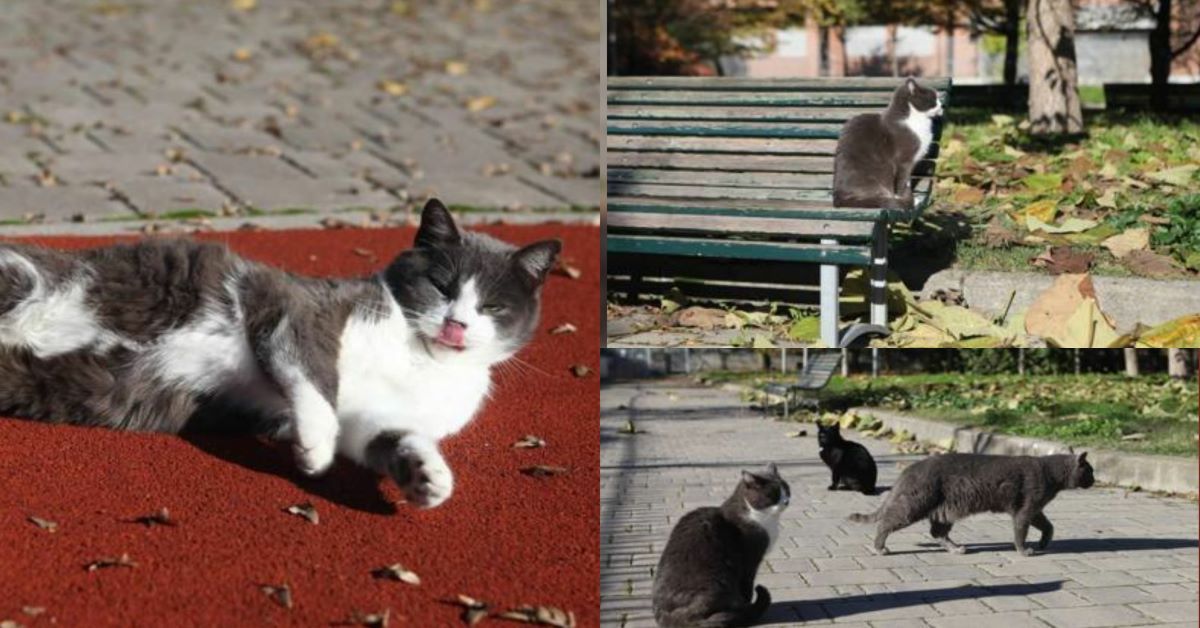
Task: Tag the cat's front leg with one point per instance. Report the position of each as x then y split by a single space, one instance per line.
415 464
1020 531
314 422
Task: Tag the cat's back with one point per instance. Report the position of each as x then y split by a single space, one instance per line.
861 132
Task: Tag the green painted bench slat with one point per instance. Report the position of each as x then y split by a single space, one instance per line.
723 163
883 84
793 115
791 180
733 225
761 99
705 128
756 146
736 249
798 196
744 208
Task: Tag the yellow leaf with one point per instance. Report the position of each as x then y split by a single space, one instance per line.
1070 225
243 5
1043 210
1089 328
456 68
400 7
1108 199
393 88
480 103
1181 332
1067 314
242 54
1127 242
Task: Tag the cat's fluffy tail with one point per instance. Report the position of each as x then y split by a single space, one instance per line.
745 616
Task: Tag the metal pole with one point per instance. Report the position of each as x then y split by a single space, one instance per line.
874 363
829 301
783 361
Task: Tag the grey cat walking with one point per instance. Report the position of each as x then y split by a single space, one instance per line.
705 577
950 487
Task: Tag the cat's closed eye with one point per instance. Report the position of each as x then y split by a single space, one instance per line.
494 308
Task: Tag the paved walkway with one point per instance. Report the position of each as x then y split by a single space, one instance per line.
1119 559
130 108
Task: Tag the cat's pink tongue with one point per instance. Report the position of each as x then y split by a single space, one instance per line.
453 334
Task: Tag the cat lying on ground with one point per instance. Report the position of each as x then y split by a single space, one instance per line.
850 463
950 487
876 152
705 577
146 336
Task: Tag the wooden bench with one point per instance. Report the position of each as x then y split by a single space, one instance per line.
742 169
815 375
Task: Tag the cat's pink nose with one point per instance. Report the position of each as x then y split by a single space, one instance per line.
453 333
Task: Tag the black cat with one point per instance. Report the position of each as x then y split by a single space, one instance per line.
852 466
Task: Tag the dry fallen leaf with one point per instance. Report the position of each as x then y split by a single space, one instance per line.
480 103
474 611
998 236
700 317
243 5
162 518
566 270
334 223
1127 242
375 620
543 470
281 595
580 370
544 615
242 54
565 328
306 510
367 253
33 611
8 623
398 573
456 68
529 441
392 88
1150 264
1062 259
45 524
104 563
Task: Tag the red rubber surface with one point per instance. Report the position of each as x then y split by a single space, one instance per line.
503 537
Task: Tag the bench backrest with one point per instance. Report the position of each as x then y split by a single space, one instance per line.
764 140
820 368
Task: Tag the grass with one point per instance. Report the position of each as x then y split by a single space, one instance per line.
1123 173
1088 410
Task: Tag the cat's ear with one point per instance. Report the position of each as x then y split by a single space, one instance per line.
911 84
749 478
1083 458
537 259
772 470
437 226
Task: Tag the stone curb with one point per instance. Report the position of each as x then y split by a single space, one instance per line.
1154 473
1128 300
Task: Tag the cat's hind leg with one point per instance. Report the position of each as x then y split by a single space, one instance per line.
835 481
415 464
941 531
1043 524
1021 521
314 422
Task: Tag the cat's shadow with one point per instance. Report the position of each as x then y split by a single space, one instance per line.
345 484
1082 546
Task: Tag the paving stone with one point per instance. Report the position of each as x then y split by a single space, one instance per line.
1170 611
994 620
1091 617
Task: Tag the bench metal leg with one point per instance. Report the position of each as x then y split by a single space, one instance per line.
829 301
878 274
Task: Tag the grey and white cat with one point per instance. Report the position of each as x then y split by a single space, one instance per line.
146 336
705 577
950 487
876 152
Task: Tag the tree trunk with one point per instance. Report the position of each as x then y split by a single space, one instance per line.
845 362
823 60
1131 363
1020 361
1076 362
1012 40
1054 106
892 30
1160 55
1177 363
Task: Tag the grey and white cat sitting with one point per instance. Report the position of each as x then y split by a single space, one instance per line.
146 336
705 577
876 152
950 487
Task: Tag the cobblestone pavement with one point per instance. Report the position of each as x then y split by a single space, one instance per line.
117 109
1119 559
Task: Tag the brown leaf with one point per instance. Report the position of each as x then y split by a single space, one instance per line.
376 620
104 563
700 317
45 524
474 611
544 615
543 471
998 236
162 518
8 623
398 573
281 595
1150 264
1060 260
367 253
529 441
565 328
967 195
566 270
33 611
306 510
480 103
335 223
580 370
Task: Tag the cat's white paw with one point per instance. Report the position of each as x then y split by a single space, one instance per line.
316 459
422 473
